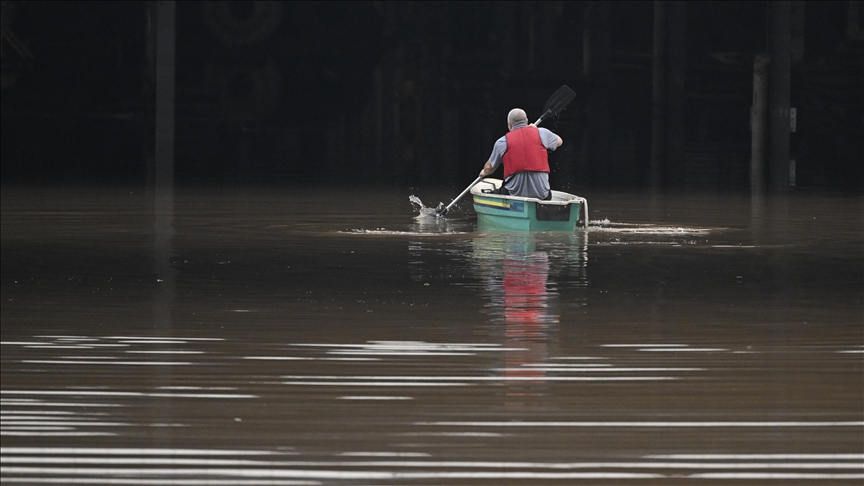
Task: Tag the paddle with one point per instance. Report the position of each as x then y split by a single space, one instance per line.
556 104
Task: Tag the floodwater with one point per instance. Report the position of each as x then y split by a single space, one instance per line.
302 338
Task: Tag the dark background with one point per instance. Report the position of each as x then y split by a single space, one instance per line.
411 93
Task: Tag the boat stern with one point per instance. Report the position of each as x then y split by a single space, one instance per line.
564 212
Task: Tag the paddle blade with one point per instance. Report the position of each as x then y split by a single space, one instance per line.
557 102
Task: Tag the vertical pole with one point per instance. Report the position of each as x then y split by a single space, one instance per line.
587 72
779 44
378 151
596 70
758 124
602 75
163 173
853 21
676 70
165 49
797 30
532 41
658 103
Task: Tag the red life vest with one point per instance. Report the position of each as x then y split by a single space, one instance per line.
525 152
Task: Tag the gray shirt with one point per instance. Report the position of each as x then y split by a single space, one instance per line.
525 184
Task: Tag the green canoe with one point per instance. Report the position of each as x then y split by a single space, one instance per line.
565 212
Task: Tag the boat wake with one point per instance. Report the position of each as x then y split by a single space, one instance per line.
610 233
606 226
386 232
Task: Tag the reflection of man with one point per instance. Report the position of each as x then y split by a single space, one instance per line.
526 162
527 320
525 310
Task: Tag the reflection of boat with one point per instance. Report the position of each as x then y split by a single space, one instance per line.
523 274
519 290
563 213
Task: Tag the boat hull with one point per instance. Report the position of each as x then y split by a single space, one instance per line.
565 212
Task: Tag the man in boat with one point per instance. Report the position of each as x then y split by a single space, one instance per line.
523 150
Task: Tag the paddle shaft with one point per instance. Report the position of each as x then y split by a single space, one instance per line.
462 194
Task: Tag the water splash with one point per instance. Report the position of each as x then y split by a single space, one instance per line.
423 211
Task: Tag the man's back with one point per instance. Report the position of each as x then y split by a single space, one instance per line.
523 151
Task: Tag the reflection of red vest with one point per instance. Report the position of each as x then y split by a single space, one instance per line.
525 152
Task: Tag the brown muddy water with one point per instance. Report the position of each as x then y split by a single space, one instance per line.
305 338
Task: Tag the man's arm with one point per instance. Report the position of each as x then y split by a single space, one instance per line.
495 159
487 170
550 140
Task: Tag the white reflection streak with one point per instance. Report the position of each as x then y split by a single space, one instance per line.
355 397
67 424
55 434
319 345
429 464
409 346
123 394
139 461
121 451
87 357
370 383
432 464
34 403
693 350
753 475
400 353
594 370
379 475
154 341
169 482
644 345
784 457
20 343
279 358
130 363
427 380
178 387
348 359
577 357
44 412
325 474
165 351
424 343
19 419
646 424
52 346
306 358
404 344
454 434
162 338
59 336
569 365
384 454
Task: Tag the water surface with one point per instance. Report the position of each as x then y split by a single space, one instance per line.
307 337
